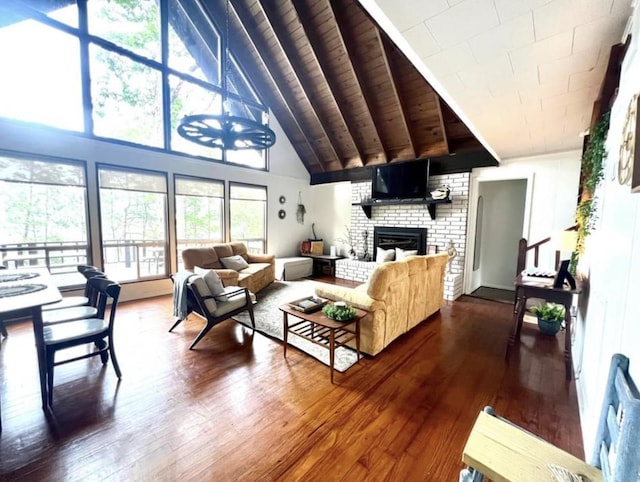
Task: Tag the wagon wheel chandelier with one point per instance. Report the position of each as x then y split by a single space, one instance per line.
226 131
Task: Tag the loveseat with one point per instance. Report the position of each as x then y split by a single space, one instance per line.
260 272
398 296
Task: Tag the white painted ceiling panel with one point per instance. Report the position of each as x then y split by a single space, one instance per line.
523 74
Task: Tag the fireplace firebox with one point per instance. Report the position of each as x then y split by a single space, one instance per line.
389 237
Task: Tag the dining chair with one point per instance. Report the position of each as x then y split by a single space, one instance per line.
98 330
88 272
89 310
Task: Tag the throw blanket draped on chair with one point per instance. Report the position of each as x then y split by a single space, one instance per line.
180 280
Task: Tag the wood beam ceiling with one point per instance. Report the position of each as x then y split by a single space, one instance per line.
343 93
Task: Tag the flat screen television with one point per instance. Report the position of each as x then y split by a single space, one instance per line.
405 180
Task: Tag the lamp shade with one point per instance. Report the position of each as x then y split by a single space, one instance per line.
566 240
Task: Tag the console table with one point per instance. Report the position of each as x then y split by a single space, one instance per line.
322 260
533 287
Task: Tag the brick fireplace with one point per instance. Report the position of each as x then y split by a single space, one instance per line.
450 225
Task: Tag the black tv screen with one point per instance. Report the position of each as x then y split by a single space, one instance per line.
400 181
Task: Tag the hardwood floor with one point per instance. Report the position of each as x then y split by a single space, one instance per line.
235 409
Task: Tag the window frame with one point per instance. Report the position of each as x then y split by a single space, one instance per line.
75 281
266 211
165 246
85 39
224 210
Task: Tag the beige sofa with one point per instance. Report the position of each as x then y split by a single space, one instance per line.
260 273
398 296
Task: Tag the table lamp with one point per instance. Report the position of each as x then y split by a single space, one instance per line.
566 244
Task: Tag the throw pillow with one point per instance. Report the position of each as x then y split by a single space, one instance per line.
403 253
317 247
384 255
237 262
213 282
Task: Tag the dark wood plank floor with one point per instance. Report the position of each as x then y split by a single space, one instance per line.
236 410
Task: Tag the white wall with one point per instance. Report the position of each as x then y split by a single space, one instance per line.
609 318
287 176
552 191
502 222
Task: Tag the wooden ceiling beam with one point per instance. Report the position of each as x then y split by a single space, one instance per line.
346 39
443 126
269 10
406 122
339 103
278 102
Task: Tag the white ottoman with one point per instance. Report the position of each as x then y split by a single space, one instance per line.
289 269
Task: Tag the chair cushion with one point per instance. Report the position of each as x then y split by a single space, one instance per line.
237 300
237 263
213 282
199 284
74 330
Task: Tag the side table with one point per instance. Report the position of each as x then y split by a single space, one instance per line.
323 331
322 260
543 288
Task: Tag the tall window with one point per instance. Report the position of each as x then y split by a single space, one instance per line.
43 220
199 213
105 74
248 215
133 215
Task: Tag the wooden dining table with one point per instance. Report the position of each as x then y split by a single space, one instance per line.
28 290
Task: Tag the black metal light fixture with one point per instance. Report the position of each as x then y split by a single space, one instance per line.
226 131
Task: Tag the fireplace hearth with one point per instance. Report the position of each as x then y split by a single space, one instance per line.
390 237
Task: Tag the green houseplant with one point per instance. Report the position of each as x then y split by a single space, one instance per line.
550 317
339 311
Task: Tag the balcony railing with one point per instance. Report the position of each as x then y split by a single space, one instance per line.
60 258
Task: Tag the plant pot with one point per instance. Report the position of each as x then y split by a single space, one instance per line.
549 327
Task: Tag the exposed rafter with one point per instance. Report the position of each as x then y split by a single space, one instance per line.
281 43
344 95
255 67
315 43
406 122
345 39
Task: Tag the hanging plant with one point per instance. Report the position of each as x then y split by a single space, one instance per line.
591 174
301 211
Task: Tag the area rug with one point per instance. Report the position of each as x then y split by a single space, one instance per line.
269 321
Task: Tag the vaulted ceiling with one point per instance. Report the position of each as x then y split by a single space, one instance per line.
343 93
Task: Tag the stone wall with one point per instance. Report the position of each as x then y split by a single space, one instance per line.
450 225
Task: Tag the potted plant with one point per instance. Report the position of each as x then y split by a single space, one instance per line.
550 317
339 311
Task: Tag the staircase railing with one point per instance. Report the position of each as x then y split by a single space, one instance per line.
524 249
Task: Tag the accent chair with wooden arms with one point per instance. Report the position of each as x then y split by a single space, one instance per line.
214 310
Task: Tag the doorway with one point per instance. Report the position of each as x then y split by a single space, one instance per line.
499 223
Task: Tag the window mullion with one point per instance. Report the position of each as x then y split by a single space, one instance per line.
164 55
87 104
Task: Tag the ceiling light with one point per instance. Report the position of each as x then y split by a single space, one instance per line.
226 131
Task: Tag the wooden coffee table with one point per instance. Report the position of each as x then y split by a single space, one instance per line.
323 331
